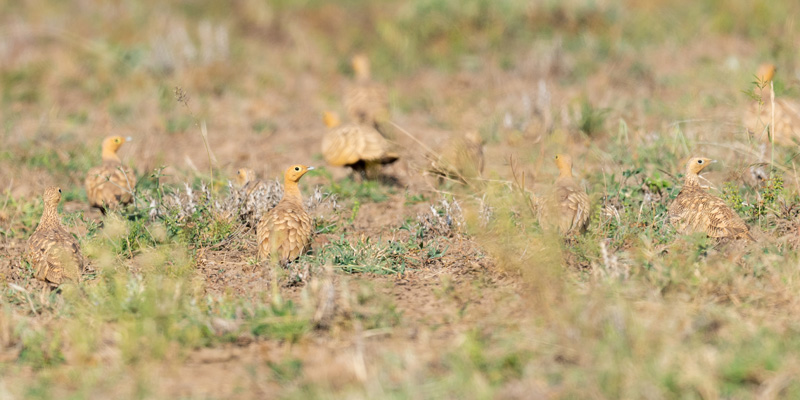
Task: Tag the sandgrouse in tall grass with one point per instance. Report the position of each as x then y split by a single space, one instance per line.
461 158
111 183
359 147
571 200
695 210
284 233
247 181
53 253
366 102
758 117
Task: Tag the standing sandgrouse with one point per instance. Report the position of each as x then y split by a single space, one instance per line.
359 147
285 231
695 210
53 252
460 158
366 102
110 184
571 200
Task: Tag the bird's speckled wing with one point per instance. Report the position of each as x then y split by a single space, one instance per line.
695 210
351 144
284 232
573 205
110 184
55 254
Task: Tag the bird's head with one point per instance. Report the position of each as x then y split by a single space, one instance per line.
696 164
295 172
52 196
113 143
244 175
765 72
564 164
330 119
360 64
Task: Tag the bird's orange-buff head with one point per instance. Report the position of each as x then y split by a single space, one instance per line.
693 167
564 164
696 164
291 177
765 72
360 64
110 146
244 175
295 172
330 119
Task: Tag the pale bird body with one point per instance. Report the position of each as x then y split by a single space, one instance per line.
695 210
570 200
366 102
284 233
460 158
359 147
110 184
54 253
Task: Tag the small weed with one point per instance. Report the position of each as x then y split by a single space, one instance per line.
591 120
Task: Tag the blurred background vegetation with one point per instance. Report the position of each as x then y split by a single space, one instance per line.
504 309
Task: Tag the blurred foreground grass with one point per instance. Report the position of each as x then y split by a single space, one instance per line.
630 310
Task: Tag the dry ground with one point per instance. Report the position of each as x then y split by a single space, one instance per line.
491 307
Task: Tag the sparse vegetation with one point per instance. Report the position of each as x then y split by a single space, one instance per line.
411 290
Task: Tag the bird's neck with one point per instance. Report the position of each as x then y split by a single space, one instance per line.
110 155
565 173
691 179
363 77
291 192
50 215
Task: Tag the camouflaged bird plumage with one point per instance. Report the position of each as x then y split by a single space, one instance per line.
695 210
571 200
460 158
366 102
110 184
284 233
54 253
254 195
359 147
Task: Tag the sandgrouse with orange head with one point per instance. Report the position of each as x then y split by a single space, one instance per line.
111 183
366 102
695 210
570 200
284 233
758 118
53 252
359 147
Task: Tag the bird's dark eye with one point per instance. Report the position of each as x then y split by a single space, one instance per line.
699 161
297 168
59 190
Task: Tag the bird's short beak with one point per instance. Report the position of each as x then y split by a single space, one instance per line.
310 168
128 139
713 161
